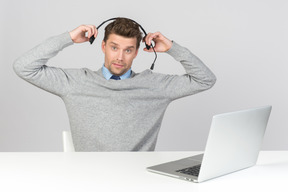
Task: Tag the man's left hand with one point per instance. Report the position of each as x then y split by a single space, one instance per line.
162 44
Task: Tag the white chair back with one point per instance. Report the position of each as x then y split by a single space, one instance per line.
67 142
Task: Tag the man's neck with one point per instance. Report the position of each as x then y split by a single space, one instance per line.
107 74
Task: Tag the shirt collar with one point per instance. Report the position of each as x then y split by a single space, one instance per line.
107 74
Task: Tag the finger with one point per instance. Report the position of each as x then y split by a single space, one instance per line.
153 37
93 30
89 30
96 31
149 38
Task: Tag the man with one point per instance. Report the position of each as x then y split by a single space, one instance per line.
107 114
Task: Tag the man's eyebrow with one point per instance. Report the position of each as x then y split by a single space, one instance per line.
113 43
128 47
131 47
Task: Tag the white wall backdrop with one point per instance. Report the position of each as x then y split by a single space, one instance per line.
244 42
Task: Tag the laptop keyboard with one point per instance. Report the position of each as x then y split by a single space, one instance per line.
194 171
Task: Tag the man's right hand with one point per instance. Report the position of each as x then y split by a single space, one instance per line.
78 35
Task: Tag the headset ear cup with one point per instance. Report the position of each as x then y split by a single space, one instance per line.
147 46
91 39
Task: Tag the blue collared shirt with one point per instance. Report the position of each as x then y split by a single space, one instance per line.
108 75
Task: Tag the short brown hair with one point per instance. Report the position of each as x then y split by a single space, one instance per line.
124 27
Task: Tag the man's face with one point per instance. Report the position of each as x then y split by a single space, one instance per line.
119 53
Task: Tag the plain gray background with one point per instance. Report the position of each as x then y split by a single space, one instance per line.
243 42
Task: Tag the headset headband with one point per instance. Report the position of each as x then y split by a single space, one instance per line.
92 38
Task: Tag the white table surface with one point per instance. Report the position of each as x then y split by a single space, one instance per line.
126 171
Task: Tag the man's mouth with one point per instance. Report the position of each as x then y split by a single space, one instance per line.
117 65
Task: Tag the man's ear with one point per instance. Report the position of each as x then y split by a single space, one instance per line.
103 46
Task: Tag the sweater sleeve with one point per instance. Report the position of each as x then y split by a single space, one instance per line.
198 76
31 66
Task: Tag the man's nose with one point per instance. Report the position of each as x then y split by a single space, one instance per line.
120 55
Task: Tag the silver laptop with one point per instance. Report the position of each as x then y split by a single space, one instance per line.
234 142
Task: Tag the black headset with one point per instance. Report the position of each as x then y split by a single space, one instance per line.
92 38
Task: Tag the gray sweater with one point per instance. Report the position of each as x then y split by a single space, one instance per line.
109 115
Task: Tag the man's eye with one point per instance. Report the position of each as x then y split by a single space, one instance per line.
114 48
128 51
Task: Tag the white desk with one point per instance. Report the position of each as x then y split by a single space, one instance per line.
118 171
